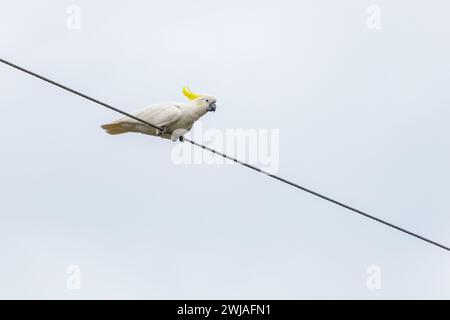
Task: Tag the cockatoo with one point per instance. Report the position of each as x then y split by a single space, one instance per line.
174 118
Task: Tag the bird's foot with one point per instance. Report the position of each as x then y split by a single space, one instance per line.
161 132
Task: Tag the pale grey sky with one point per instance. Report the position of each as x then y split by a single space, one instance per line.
363 117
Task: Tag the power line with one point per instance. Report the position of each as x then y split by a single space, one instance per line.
293 184
80 94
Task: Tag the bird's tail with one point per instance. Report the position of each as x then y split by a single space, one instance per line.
114 128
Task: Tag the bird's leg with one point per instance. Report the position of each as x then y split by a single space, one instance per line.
159 133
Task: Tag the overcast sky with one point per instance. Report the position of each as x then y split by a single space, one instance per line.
363 116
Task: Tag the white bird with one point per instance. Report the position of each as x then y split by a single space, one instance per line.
174 118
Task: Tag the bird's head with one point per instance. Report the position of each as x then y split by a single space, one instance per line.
201 100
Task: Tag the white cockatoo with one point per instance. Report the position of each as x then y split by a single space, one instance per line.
174 118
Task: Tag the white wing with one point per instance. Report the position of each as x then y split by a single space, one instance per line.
160 115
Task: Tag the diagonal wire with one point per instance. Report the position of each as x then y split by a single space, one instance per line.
293 184
80 94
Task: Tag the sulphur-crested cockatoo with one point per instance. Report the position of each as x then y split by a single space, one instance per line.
174 118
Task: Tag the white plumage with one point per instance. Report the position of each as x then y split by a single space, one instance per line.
175 118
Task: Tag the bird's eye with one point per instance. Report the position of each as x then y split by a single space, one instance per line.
207 100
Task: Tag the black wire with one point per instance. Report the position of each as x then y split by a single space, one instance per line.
293 184
80 94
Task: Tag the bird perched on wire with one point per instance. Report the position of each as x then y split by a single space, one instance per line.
175 119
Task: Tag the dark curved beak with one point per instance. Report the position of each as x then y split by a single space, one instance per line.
212 107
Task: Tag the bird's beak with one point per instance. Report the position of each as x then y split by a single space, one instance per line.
212 107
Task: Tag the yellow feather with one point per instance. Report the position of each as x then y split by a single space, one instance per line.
189 94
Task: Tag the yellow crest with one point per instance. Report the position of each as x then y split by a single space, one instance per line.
189 94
